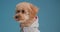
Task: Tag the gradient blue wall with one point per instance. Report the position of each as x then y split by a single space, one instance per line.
49 15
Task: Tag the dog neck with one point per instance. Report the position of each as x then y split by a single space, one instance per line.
34 26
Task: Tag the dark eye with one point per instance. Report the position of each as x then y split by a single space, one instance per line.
18 11
23 11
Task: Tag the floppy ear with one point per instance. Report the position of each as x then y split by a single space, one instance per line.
34 9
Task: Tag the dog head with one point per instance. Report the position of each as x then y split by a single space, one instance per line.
25 11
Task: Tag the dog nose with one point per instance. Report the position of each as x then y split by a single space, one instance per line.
16 16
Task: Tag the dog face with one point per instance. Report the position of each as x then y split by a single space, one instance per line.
25 11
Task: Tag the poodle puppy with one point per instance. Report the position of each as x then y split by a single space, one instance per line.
26 15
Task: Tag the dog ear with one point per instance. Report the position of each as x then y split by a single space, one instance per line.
34 9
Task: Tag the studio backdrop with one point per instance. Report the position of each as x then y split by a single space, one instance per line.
49 15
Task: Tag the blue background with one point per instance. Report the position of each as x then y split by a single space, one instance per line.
49 15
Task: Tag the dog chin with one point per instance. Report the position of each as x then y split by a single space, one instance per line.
21 21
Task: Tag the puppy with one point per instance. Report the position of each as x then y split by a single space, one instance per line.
26 15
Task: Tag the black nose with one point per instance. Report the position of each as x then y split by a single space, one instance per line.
16 16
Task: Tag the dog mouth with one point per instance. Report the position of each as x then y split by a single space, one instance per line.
17 18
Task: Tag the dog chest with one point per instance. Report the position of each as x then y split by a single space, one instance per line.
32 28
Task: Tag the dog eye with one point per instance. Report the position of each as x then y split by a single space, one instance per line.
22 11
18 11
